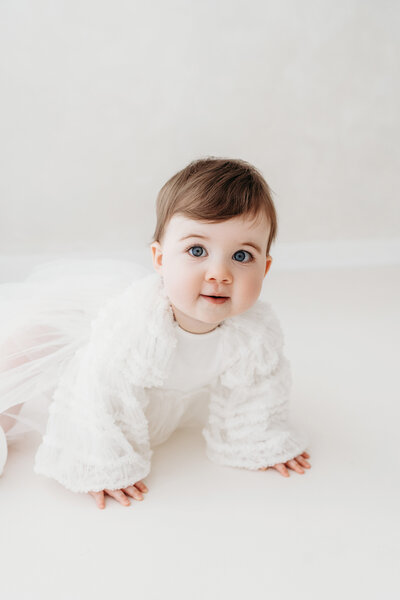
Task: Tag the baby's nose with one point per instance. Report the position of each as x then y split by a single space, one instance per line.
219 272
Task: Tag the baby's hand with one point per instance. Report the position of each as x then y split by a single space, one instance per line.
132 490
292 464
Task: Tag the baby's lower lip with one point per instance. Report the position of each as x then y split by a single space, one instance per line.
213 300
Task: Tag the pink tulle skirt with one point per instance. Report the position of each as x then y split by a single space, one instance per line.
44 320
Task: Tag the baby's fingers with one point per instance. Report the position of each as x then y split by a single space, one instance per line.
119 496
282 469
132 491
293 464
141 486
303 462
99 497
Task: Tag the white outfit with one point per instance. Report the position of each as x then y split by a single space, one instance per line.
198 359
121 375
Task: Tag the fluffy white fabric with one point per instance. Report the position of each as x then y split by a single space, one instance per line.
107 370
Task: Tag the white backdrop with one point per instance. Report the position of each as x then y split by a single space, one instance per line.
101 102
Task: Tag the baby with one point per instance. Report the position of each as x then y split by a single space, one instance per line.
195 324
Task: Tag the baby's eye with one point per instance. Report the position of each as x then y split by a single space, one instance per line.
196 248
241 253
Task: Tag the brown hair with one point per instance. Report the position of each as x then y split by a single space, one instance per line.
215 189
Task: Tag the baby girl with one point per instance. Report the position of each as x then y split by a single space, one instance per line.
128 374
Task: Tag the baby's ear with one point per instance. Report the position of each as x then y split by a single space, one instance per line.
267 266
157 256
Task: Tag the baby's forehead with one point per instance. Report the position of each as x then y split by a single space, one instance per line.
181 223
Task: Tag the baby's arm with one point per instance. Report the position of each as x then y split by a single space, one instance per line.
249 405
97 433
248 427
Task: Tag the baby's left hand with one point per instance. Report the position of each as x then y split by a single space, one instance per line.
295 463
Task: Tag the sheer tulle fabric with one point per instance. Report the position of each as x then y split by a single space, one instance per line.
44 320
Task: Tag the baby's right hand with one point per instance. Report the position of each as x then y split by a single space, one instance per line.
135 491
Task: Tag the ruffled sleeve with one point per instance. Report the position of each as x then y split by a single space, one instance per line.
248 422
97 434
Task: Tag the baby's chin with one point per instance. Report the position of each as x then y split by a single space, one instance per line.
204 318
221 313
199 315
211 317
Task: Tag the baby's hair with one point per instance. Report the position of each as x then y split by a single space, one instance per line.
215 189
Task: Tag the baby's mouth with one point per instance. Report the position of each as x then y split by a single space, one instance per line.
215 299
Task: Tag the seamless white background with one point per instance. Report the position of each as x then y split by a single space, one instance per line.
101 102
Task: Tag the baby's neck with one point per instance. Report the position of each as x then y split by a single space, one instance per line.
200 329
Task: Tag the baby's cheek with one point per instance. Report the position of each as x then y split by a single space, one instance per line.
171 280
173 293
178 294
251 291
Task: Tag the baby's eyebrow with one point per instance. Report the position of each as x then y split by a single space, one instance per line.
194 235
204 237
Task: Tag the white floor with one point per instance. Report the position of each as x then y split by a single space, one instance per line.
204 531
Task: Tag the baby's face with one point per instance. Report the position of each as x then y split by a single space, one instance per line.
214 259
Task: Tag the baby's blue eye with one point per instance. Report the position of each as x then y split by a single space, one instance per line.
196 248
241 253
197 252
